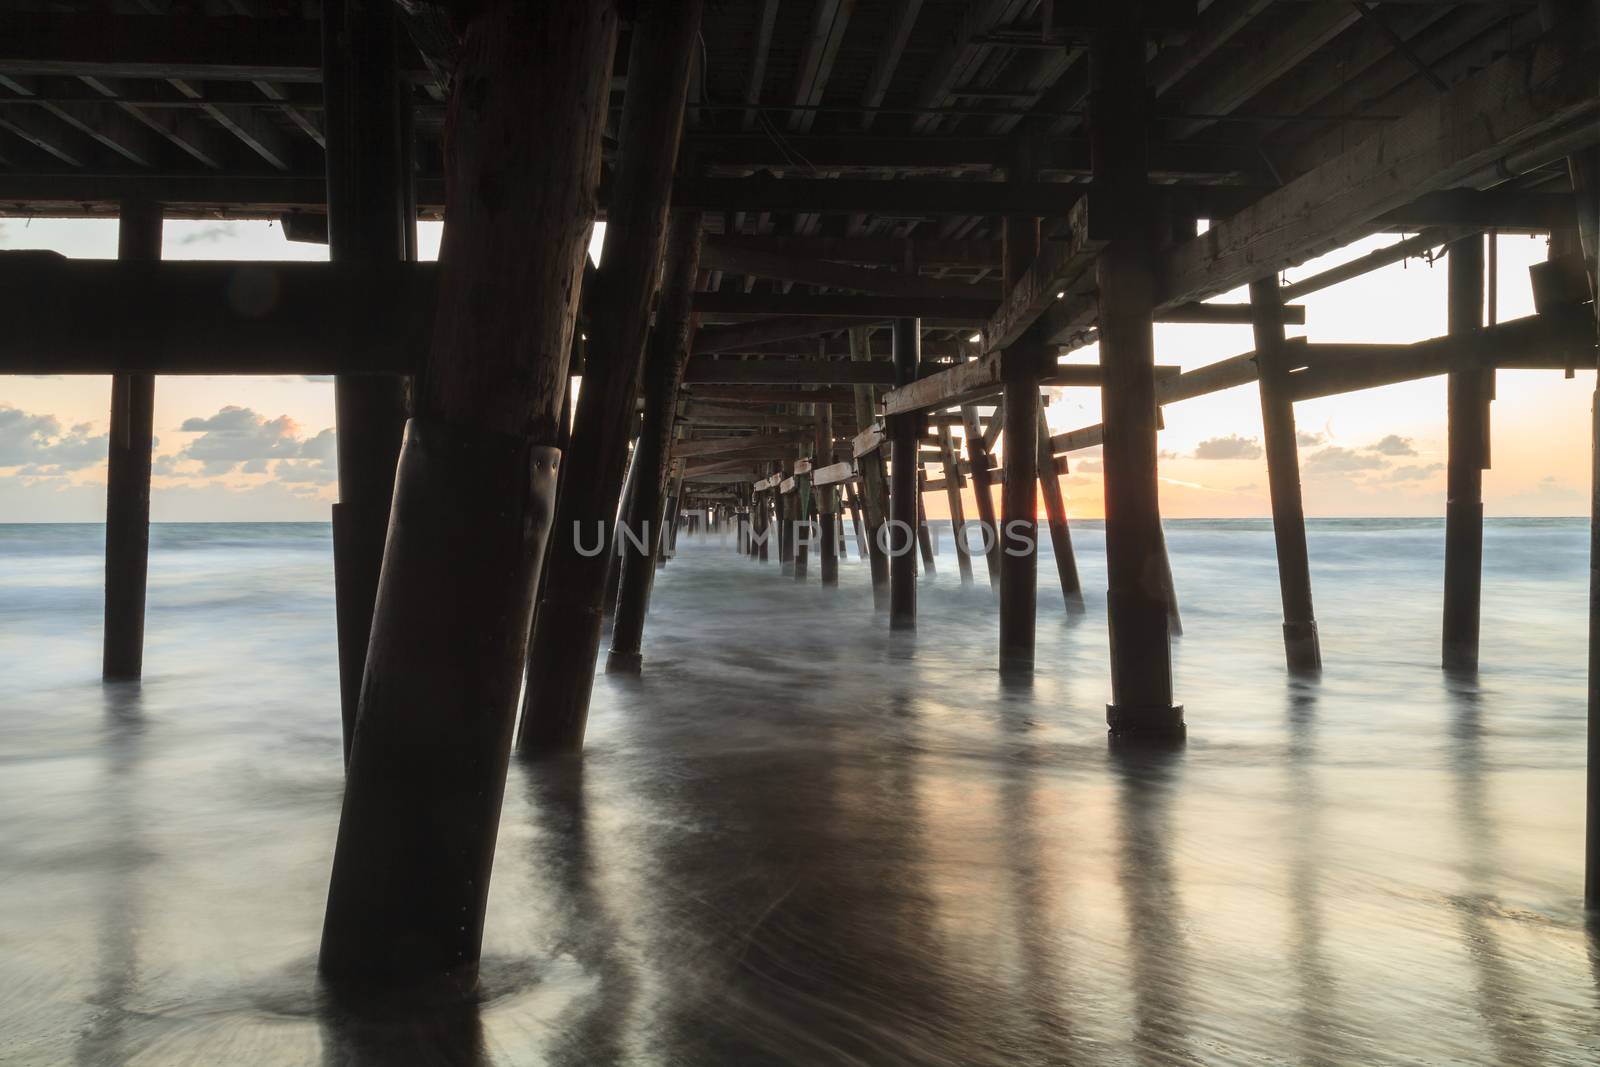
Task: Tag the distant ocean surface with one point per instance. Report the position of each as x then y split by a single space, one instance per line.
799 838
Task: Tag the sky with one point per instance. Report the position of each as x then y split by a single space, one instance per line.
262 448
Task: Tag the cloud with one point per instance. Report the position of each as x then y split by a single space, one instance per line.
1088 465
1414 472
1230 447
1334 460
39 447
239 439
1393 445
1309 440
222 231
317 377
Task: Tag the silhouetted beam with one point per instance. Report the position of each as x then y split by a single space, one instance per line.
1554 340
743 258
758 61
1412 246
829 20
104 317
965 382
715 445
168 46
902 19
786 372
746 335
1437 143
889 250
1272 53
949 310
759 394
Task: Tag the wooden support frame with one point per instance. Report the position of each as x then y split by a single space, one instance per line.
1301 644
1471 388
128 478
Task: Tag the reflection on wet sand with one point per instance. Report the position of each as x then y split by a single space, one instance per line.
906 859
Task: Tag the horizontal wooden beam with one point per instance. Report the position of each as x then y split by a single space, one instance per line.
946 310
833 473
1444 140
766 394
1556 340
166 46
746 335
742 258
714 445
978 378
706 370
891 251
86 316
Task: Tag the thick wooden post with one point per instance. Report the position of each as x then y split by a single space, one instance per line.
1585 172
1019 555
133 401
903 487
1055 510
1470 391
785 505
827 500
1301 647
474 496
801 525
1141 665
562 651
874 483
953 484
978 462
612 534
663 373
371 217
673 510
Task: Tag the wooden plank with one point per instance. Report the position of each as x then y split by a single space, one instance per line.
833 473
802 466
1445 139
868 440
711 446
964 380
171 46
786 486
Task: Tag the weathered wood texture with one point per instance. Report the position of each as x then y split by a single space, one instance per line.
473 502
1141 667
663 371
566 639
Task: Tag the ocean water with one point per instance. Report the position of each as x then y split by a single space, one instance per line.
799 839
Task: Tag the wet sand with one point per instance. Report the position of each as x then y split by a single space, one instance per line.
799 840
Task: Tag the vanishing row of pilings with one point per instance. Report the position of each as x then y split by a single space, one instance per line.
441 534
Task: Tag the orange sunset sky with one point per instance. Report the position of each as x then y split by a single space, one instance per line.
261 449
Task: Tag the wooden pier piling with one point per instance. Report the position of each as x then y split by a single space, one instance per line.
1470 391
827 500
1019 554
903 488
1055 509
1136 604
663 371
953 484
371 220
474 497
979 462
566 639
133 400
1301 646
874 480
